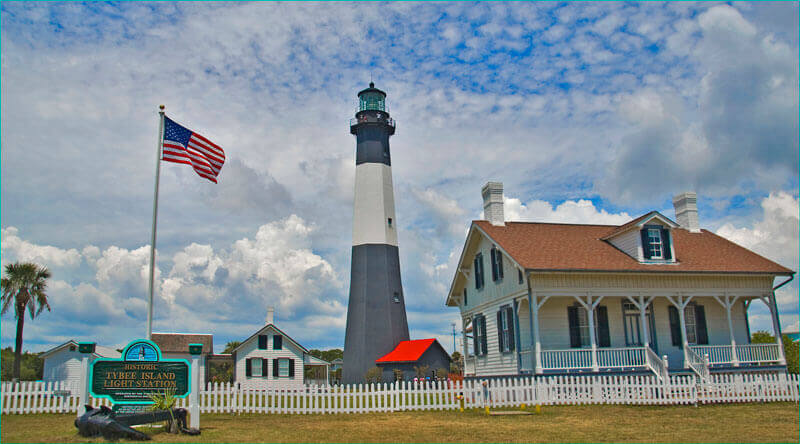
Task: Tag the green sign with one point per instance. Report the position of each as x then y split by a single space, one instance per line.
139 374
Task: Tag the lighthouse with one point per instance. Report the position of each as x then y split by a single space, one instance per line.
376 311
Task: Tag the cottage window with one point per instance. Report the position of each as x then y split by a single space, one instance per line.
283 368
583 326
497 264
478 271
519 276
579 326
277 342
479 335
505 326
465 297
691 326
256 366
655 243
396 297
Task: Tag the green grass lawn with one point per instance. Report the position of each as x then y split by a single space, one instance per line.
773 422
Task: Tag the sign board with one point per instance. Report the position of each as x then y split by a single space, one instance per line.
140 374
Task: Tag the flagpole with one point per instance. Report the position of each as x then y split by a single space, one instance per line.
155 215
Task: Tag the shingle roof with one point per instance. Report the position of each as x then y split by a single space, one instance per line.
179 342
568 247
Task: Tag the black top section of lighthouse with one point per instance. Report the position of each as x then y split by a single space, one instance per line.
376 310
372 127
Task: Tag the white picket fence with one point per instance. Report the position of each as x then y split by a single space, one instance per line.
39 397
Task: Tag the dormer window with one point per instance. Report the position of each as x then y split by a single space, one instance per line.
656 245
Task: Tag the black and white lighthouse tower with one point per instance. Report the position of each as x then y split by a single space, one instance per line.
376 311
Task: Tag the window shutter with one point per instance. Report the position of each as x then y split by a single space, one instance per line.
645 244
574 329
665 244
510 317
291 368
674 326
493 252
265 368
700 318
477 273
603 335
475 345
499 255
277 342
275 368
480 265
465 296
500 330
248 367
262 342
484 346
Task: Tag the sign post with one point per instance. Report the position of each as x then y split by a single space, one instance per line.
194 406
86 349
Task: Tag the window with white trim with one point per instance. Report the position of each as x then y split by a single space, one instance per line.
583 325
690 321
256 367
655 242
505 329
283 367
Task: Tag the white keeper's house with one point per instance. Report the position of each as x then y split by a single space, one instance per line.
651 295
270 359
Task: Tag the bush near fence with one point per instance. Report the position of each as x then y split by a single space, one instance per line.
39 397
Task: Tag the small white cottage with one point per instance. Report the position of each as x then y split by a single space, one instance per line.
271 359
63 362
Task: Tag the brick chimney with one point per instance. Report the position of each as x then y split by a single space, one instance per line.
686 211
493 203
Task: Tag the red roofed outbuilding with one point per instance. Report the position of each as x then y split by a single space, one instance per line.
414 353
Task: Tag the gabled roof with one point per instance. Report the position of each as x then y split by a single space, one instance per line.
571 247
408 351
276 329
179 342
641 220
99 350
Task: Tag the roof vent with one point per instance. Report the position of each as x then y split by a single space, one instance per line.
493 203
686 211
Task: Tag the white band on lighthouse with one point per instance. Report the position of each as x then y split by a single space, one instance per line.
373 209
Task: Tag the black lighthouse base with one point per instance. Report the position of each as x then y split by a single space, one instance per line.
376 312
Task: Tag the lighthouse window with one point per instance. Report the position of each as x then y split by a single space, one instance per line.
396 297
390 222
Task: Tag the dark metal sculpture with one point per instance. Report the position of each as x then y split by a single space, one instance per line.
103 421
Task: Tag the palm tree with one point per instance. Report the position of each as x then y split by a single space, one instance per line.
24 285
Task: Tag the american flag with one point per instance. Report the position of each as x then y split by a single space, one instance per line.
182 145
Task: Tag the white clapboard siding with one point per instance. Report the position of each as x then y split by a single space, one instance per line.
29 397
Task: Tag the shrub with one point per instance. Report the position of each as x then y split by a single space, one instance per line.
374 375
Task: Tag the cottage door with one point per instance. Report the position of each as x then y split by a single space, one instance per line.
633 326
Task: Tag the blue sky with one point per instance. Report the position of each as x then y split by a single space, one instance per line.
588 112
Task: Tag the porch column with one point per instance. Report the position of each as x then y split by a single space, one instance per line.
769 299
728 304
680 302
533 326
517 339
537 342
593 339
464 340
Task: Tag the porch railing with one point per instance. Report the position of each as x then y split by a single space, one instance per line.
754 353
747 353
526 360
656 364
469 365
566 359
620 357
717 354
697 363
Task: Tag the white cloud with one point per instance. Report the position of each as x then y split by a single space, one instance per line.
16 249
576 212
775 235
